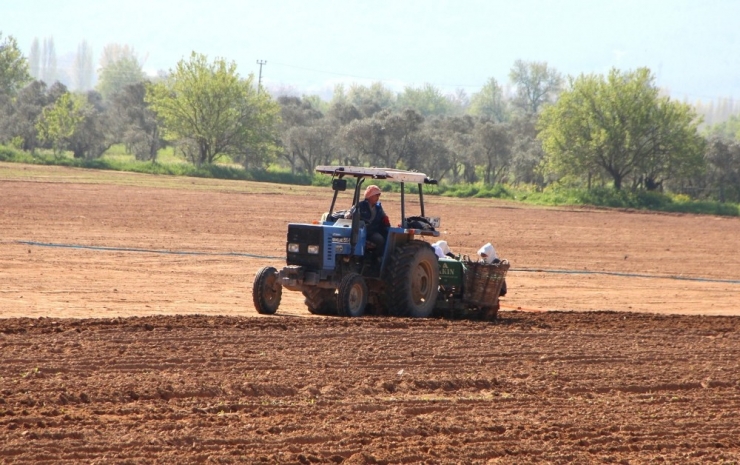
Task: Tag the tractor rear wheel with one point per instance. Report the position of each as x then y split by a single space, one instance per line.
266 291
320 301
412 281
352 297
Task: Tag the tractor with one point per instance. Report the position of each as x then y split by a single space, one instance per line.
332 262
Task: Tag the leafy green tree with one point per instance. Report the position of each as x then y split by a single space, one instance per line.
490 103
13 67
211 112
536 84
673 147
119 67
426 100
59 121
619 126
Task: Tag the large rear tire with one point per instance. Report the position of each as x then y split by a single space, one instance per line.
267 291
352 297
413 280
320 301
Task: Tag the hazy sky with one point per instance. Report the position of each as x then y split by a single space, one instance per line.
692 46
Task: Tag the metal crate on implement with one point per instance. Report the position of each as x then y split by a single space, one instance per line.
483 283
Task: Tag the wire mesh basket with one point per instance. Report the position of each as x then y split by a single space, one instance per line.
483 282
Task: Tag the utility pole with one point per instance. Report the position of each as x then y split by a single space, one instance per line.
259 83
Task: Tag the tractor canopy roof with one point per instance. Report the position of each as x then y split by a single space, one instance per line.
386 174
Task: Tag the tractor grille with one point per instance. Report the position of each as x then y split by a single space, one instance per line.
305 235
329 248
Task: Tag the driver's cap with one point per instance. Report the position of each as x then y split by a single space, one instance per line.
371 190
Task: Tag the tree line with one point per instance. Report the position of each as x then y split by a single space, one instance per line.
539 128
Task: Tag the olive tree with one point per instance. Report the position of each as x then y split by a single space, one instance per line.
305 134
18 116
92 136
426 100
368 100
134 123
456 144
493 141
386 139
723 169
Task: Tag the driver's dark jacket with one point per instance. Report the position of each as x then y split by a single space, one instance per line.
375 223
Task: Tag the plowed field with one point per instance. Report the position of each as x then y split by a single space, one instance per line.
128 335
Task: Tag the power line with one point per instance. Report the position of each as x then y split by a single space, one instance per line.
675 94
371 78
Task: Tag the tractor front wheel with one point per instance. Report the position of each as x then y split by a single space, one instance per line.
267 291
352 297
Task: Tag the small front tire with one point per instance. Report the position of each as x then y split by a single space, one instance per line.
352 297
267 291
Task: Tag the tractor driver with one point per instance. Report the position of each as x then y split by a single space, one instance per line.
371 212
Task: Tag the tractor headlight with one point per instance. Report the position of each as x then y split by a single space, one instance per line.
293 248
313 249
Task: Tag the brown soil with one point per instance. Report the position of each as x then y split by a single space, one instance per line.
128 354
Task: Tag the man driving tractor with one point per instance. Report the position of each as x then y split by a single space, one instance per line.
371 212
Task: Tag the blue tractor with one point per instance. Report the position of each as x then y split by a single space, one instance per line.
335 267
